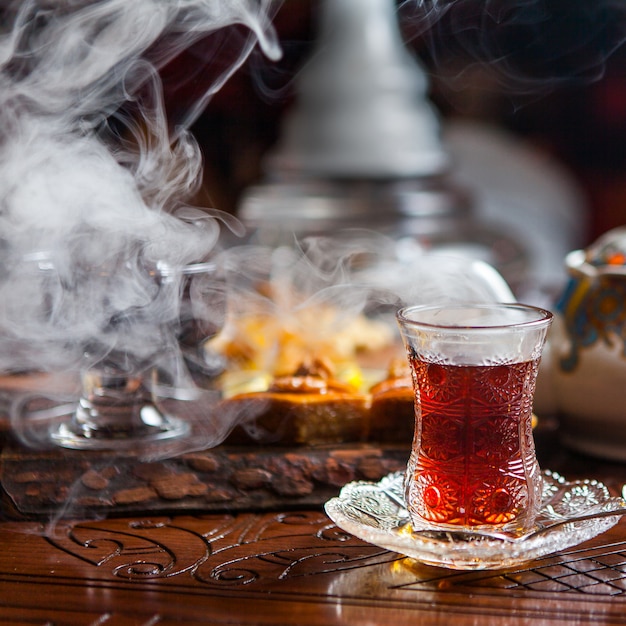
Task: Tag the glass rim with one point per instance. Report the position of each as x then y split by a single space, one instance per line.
44 262
188 269
543 317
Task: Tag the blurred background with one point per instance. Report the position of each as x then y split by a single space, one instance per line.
490 131
553 80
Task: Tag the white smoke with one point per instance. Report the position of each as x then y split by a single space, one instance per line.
94 176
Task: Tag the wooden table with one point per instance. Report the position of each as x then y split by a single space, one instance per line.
284 567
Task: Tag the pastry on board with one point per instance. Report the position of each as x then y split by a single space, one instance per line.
306 377
392 416
309 407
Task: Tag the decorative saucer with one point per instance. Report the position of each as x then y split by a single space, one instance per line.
375 512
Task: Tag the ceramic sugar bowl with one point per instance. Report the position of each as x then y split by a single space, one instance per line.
588 349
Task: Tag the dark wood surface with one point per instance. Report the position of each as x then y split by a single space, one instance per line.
284 567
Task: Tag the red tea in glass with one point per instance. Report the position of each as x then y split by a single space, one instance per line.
473 462
475 450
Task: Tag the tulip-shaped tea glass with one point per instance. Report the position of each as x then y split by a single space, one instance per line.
474 368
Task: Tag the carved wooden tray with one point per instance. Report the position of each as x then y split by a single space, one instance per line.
86 483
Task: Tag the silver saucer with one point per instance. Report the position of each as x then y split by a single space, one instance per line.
375 513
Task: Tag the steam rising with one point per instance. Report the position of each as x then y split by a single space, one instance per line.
94 176
530 46
97 176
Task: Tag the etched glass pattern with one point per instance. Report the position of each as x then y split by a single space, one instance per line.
473 462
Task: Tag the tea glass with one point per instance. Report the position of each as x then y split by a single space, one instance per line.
474 368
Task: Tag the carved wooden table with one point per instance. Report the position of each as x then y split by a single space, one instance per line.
289 567
282 568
